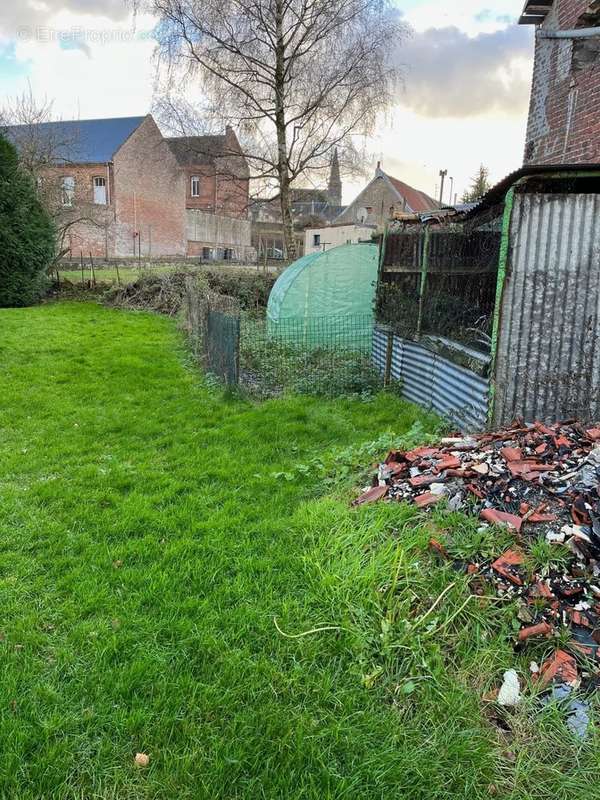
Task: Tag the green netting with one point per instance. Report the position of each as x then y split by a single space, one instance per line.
337 284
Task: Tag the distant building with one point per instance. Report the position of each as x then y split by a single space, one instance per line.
564 124
325 238
383 198
310 207
121 189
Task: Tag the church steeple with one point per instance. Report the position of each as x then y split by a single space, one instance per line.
335 182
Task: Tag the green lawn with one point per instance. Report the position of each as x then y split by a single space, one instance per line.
150 533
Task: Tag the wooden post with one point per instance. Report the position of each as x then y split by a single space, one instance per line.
118 275
93 274
82 268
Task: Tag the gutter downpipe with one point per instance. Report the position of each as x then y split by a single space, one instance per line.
576 33
500 283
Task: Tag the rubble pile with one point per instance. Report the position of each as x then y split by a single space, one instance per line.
538 481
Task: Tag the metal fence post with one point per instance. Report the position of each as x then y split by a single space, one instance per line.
423 285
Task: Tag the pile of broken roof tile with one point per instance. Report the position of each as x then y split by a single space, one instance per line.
538 481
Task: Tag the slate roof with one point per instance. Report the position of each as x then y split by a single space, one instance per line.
417 201
82 141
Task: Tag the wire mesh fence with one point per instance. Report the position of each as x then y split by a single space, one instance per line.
319 355
441 286
328 356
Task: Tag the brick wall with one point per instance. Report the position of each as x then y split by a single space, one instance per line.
564 123
149 196
85 227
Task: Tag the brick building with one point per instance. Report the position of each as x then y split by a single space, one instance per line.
121 189
382 198
564 124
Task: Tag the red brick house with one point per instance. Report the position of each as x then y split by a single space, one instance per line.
121 189
564 123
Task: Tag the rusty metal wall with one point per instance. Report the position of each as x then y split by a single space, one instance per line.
548 359
434 382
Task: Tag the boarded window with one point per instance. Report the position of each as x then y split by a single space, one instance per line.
195 186
99 191
68 190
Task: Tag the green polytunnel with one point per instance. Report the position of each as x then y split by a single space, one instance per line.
327 296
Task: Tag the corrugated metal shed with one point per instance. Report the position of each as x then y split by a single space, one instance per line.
545 342
433 381
548 360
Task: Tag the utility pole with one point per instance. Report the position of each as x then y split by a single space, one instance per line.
443 173
451 190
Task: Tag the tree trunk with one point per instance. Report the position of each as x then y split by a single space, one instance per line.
282 154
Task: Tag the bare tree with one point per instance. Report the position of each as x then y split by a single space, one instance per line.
297 78
41 149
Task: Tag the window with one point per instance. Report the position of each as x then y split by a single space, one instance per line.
195 186
99 191
316 240
68 190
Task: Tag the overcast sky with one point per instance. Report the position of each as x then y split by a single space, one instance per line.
467 73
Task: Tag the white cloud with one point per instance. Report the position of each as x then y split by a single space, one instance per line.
448 73
90 66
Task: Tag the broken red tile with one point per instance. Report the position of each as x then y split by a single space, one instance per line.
541 629
593 434
506 566
523 468
542 590
544 429
584 650
570 591
512 453
472 569
458 473
561 666
578 618
524 509
421 452
372 496
438 547
475 490
501 518
541 448
424 480
535 517
427 499
448 462
396 468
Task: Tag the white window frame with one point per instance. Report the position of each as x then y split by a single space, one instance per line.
68 190
99 182
195 186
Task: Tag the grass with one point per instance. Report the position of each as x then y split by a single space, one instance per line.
151 529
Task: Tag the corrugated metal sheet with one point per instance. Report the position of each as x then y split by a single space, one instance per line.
548 360
435 382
